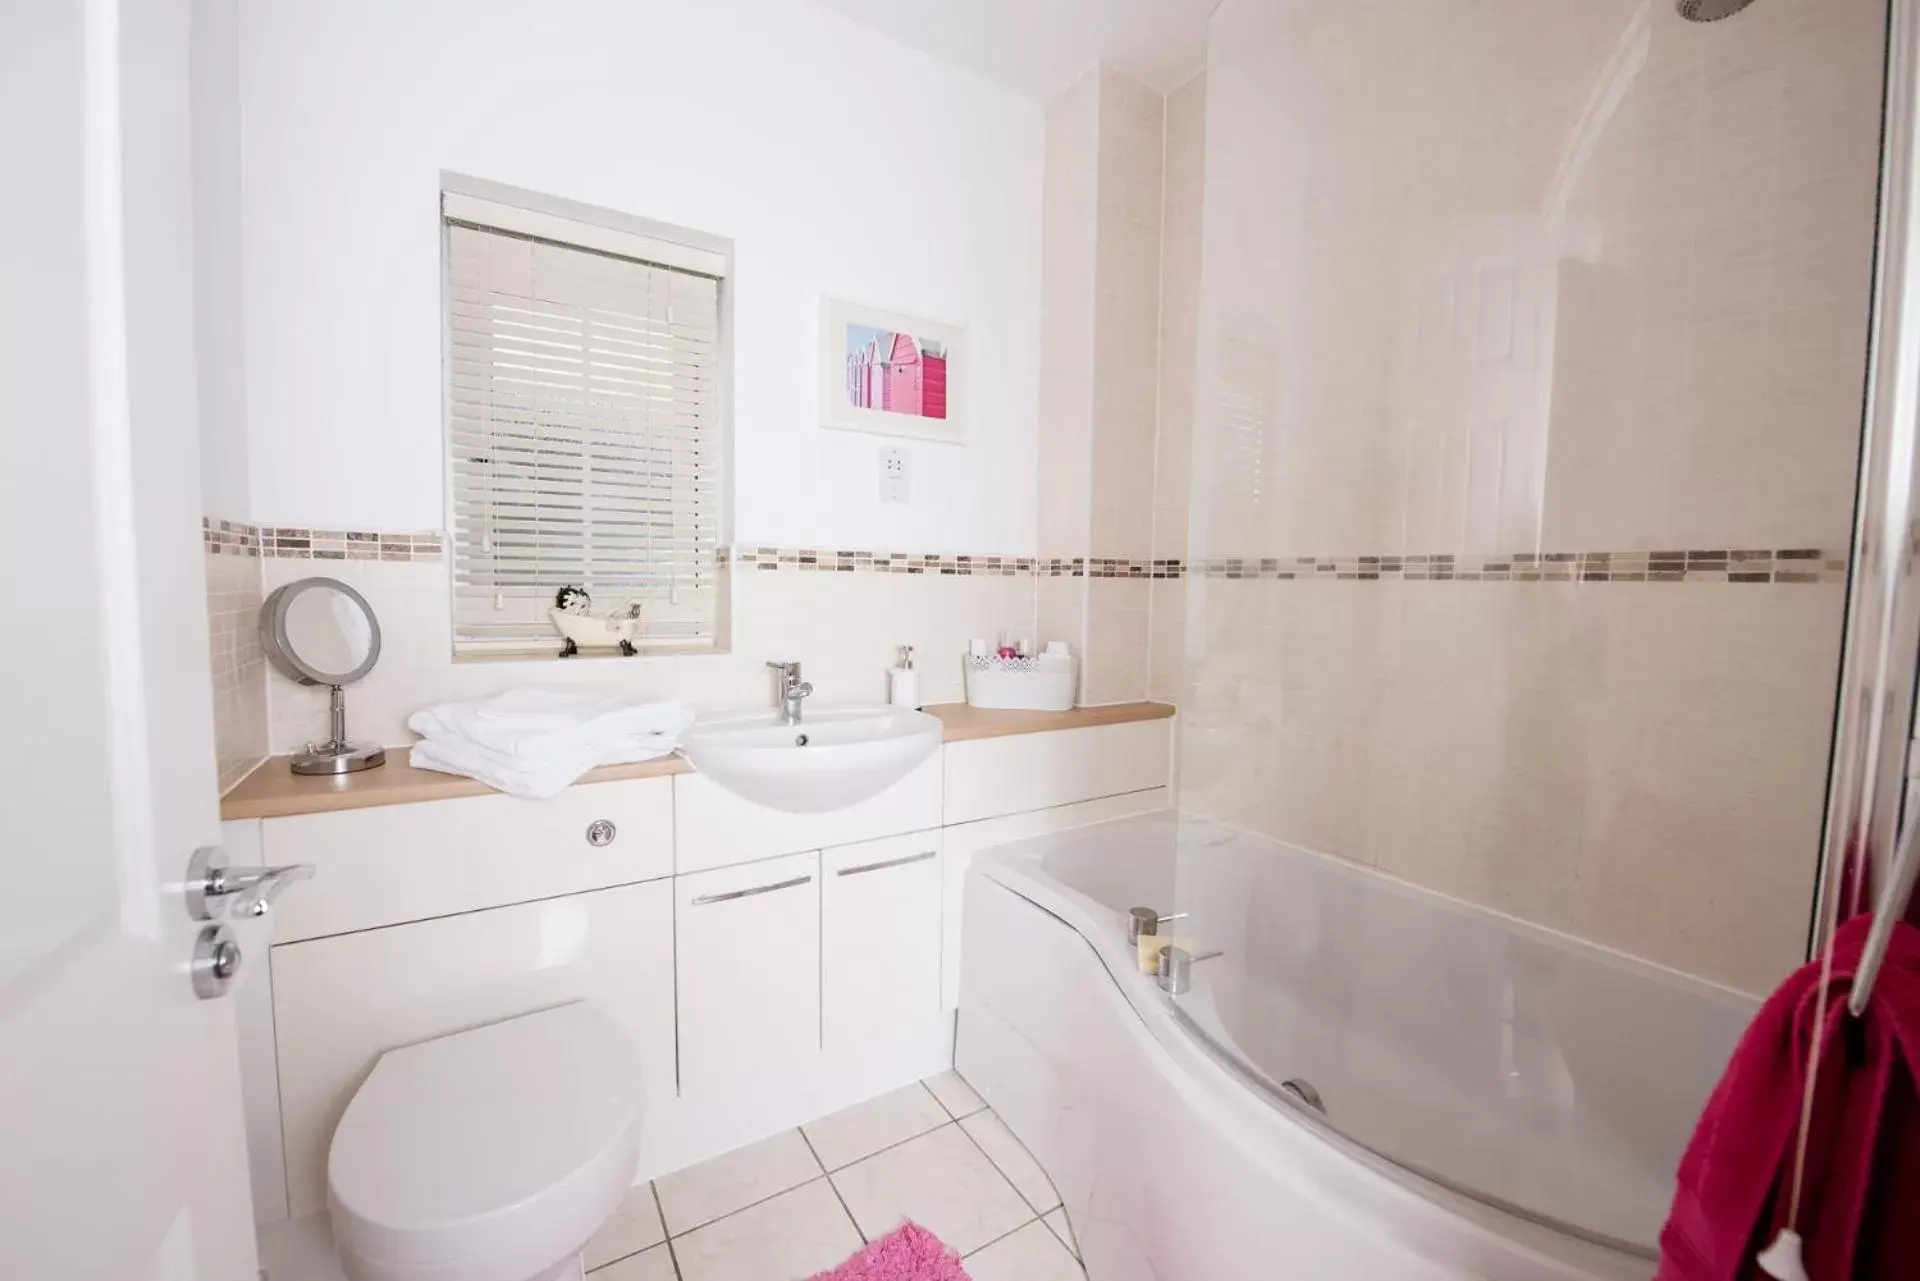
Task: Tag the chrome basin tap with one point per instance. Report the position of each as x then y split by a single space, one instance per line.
790 691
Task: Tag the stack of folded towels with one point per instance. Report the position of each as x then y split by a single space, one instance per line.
534 742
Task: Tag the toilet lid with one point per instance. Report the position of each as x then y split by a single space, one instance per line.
449 1141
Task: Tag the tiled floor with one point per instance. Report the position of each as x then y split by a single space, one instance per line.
800 1202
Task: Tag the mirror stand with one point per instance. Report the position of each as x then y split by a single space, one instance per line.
337 755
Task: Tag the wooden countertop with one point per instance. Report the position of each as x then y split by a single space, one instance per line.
963 721
274 791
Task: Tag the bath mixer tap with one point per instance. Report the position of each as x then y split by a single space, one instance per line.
791 690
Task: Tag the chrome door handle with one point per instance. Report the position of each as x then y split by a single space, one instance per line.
728 897
884 864
211 882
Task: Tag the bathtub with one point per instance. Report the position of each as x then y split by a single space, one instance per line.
1499 1101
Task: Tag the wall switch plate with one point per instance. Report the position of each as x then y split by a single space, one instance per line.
893 475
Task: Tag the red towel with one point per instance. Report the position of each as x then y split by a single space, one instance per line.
1860 1211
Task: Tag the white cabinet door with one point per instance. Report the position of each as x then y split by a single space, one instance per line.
967 839
879 937
992 777
747 943
341 1002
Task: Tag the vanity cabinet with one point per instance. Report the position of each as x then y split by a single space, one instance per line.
989 777
407 862
340 1002
880 924
747 947
770 968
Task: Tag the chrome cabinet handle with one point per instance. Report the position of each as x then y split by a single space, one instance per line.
921 857
210 883
703 900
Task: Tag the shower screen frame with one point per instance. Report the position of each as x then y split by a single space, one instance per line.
1874 714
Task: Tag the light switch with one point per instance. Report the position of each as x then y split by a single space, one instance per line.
893 475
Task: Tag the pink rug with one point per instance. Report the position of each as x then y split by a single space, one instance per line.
910 1254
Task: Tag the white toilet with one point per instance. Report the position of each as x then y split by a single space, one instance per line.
490 1155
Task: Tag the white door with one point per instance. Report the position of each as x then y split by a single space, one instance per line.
121 1153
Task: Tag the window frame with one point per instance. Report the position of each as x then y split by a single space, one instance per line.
600 231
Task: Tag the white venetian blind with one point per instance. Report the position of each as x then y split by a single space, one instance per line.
585 436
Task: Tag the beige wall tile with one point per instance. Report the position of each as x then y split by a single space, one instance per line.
1115 668
1167 639
1069 236
238 665
1594 282
1640 764
1126 372
1185 176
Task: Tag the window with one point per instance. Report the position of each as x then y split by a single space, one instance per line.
585 378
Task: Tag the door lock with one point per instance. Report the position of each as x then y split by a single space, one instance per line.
216 962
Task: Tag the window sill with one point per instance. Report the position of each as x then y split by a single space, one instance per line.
551 654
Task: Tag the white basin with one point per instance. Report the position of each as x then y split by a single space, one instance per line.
836 756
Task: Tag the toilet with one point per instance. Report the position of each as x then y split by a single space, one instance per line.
488 1155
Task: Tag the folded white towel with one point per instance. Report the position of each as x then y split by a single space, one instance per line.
536 742
534 780
534 724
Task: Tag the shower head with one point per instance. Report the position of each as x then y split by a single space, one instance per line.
1710 10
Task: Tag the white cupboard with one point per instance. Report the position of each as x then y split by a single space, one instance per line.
747 952
879 937
771 968
340 1002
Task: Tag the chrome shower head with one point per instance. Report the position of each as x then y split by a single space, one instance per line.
1710 10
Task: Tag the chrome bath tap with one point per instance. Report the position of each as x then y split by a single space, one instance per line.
791 691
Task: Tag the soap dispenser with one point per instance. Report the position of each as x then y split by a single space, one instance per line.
903 683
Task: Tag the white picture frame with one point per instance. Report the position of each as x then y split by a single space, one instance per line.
852 368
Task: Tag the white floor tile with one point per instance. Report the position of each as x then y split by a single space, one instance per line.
955 1095
865 1128
1057 1220
794 1235
648 1265
702 1193
942 1182
1007 1152
1031 1254
630 1229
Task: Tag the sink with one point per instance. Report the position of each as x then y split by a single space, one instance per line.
836 756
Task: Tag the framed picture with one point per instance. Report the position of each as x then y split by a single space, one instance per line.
892 374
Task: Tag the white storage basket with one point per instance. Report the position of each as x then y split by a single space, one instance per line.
1041 684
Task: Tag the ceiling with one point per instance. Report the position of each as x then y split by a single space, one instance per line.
1041 46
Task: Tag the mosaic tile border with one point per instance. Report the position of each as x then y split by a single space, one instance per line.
811 560
1786 565
1705 565
286 542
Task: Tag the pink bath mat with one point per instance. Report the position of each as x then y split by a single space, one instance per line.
910 1254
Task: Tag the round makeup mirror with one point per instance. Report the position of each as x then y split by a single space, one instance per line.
320 631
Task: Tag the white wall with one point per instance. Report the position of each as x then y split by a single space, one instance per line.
839 162
214 55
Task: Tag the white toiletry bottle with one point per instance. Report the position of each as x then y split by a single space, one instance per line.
903 683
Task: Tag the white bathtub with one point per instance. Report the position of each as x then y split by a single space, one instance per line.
1501 1101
